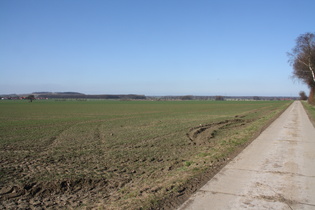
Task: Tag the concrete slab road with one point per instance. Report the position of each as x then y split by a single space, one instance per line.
276 171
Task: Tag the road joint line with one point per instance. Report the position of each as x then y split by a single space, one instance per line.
272 172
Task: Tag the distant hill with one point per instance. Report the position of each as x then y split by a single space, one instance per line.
57 93
9 96
75 95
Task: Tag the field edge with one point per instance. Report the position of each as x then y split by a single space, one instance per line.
174 200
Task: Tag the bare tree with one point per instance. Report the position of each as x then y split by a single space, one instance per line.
303 96
30 97
219 98
188 97
302 58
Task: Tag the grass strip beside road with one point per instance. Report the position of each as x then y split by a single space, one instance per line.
310 109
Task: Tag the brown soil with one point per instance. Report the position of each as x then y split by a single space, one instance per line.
70 193
204 133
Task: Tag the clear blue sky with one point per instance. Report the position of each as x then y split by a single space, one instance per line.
151 47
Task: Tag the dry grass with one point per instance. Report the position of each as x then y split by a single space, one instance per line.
310 109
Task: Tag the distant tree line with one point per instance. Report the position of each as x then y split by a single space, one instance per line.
83 96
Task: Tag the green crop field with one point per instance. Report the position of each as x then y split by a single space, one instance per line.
119 154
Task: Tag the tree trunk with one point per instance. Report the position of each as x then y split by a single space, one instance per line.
311 96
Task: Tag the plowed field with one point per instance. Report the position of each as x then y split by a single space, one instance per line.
119 154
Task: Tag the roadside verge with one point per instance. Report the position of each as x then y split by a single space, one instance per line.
310 110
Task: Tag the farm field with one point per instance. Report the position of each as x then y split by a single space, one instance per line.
119 154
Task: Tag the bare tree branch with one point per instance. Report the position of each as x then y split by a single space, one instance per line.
302 58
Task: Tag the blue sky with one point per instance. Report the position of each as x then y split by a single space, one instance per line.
152 47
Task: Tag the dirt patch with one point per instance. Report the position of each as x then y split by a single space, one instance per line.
57 194
204 133
71 192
